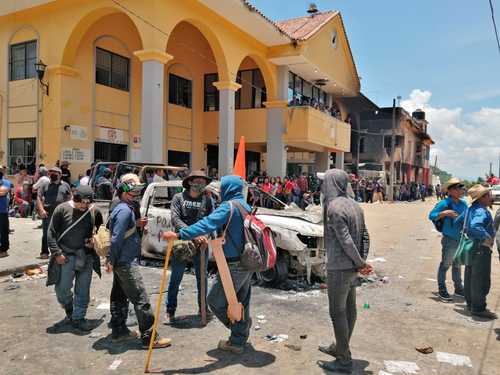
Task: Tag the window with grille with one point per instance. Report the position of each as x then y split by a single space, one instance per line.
112 70
252 93
22 59
112 152
179 91
211 94
22 151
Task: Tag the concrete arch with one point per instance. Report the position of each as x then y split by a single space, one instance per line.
23 34
77 34
265 69
213 42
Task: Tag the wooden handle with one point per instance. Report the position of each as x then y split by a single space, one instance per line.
158 305
235 309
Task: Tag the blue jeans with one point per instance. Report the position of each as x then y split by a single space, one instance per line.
177 273
218 303
82 279
449 248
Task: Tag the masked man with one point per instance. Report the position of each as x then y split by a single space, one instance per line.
73 257
122 261
49 197
347 243
188 208
231 191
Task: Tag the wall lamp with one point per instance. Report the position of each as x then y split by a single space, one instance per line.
40 68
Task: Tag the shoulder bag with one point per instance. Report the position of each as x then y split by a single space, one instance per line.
465 246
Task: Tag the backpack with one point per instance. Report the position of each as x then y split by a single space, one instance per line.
439 224
259 253
102 238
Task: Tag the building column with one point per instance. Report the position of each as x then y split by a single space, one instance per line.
322 161
152 105
227 90
276 152
339 160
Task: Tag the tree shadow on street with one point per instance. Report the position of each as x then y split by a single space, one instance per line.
251 358
64 326
114 348
359 368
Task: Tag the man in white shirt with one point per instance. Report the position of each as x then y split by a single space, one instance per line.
43 179
85 180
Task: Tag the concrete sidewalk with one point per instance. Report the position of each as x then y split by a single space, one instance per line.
25 245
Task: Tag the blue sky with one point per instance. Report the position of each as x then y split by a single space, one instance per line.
446 49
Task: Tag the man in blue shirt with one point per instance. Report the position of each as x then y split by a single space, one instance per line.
5 190
449 213
479 227
122 261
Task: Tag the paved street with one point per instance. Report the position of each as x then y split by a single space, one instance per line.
395 316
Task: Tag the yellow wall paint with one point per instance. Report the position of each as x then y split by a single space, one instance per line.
199 40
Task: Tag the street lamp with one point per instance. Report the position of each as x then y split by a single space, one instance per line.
40 68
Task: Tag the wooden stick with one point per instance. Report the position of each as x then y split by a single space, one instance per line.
203 285
158 305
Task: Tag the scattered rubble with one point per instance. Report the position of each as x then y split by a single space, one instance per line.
401 367
276 338
377 260
425 350
454 359
294 347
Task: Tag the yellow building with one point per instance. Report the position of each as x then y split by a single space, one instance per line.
171 81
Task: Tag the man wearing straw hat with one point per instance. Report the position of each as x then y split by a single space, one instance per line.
479 228
446 216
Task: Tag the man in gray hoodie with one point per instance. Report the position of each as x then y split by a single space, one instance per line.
347 244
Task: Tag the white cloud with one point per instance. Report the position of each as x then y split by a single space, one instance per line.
466 143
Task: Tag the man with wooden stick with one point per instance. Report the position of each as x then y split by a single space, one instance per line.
127 280
187 208
228 218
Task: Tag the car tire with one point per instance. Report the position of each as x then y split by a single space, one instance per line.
276 275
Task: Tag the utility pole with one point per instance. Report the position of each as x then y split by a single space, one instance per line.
393 152
491 168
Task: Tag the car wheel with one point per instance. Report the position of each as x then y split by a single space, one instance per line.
275 275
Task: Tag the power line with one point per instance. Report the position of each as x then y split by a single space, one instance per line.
494 24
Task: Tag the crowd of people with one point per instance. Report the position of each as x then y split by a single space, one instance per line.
69 221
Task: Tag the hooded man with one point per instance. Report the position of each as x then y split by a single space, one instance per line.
48 198
231 191
347 245
73 257
187 208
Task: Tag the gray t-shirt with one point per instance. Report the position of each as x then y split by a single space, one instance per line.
54 194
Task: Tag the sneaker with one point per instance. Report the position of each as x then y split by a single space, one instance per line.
330 350
336 366
226 346
81 325
124 336
444 296
460 293
4 254
158 344
486 314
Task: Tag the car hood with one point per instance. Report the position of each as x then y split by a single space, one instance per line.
311 214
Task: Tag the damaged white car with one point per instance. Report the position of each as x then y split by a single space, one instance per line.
298 233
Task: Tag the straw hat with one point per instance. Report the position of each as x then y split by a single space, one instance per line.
452 182
478 191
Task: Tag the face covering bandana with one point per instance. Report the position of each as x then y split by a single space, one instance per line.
198 188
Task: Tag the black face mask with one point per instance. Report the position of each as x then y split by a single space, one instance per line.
54 177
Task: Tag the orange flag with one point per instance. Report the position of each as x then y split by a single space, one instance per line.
239 164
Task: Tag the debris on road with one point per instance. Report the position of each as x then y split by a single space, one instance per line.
257 328
12 287
276 338
116 363
401 367
303 337
425 350
454 359
261 317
